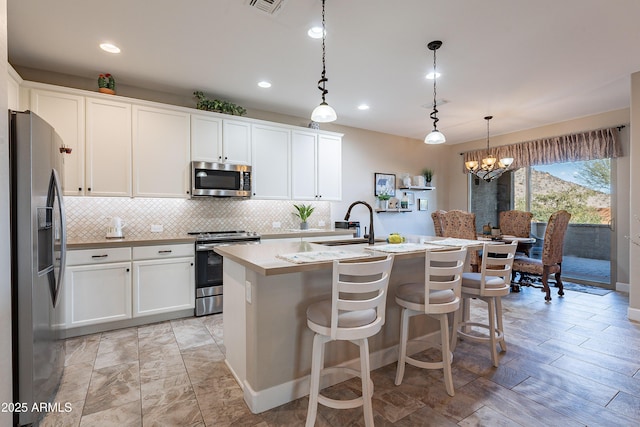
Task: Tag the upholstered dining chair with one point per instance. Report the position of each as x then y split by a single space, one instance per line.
551 262
515 223
461 225
437 221
437 297
354 312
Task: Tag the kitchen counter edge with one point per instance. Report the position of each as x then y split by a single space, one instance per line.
120 243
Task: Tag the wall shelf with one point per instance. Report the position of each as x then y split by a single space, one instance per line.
394 210
416 188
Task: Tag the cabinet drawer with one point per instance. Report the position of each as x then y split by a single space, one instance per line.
97 256
163 251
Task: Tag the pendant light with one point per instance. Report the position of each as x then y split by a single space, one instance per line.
490 167
435 136
323 113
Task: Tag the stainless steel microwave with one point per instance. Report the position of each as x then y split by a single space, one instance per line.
220 180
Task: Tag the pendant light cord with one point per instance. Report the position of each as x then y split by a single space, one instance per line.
323 79
434 114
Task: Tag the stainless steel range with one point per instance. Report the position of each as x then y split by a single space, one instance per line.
209 286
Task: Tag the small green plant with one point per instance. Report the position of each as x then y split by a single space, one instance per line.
383 195
428 174
217 105
106 81
303 211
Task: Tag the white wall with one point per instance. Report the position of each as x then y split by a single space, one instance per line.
5 265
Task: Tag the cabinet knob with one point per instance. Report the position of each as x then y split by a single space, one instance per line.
191 264
187 191
127 270
89 189
79 188
226 158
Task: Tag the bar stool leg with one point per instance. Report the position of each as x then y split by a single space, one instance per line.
366 382
456 324
492 330
446 353
503 343
317 363
402 357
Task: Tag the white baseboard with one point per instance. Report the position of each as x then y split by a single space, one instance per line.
263 400
633 314
622 287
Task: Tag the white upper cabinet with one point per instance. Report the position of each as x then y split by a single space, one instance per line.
316 166
236 142
329 178
108 148
65 112
206 138
219 140
161 154
271 156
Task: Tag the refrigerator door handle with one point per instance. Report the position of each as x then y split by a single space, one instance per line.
57 188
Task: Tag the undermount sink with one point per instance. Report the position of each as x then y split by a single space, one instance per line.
345 242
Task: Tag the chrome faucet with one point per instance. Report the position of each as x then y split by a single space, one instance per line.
359 202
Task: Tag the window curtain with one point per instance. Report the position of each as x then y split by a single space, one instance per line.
589 145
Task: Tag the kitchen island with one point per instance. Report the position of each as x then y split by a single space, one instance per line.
268 344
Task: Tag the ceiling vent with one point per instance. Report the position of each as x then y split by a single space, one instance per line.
267 6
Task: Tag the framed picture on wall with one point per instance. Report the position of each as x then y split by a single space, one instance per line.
423 204
385 183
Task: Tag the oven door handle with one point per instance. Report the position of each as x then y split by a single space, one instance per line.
207 246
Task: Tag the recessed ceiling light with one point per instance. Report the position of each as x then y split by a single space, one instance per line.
315 32
108 47
363 107
264 84
431 75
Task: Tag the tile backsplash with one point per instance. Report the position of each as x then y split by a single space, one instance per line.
88 217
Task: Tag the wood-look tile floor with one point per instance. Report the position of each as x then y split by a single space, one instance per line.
573 362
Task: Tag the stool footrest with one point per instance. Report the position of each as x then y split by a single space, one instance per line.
337 403
498 333
427 365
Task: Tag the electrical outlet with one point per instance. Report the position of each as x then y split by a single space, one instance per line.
247 289
275 224
157 228
321 223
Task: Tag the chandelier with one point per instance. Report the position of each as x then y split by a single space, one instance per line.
323 113
490 167
435 136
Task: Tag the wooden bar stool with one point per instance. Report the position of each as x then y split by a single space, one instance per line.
489 285
438 296
355 311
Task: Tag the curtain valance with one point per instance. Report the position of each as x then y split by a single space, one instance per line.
589 145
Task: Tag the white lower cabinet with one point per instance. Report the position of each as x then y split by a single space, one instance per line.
116 284
97 293
163 279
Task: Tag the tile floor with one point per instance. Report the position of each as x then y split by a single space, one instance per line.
574 361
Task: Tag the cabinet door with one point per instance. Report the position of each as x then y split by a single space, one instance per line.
206 139
329 160
303 165
270 170
161 140
108 143
162 286
66 114
236 142
97 293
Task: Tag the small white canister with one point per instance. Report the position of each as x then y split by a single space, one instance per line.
419 181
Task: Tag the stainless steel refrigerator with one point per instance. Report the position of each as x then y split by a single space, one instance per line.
38 248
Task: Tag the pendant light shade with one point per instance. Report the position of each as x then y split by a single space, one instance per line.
435 136
323 113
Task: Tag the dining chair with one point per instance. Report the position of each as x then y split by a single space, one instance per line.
355 311
489 285
516 223
436 297
436 216
461 225
551 262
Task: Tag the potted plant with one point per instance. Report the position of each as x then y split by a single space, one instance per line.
303 212
428 174
106 84
383 200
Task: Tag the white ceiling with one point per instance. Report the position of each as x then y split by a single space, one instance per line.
526 62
